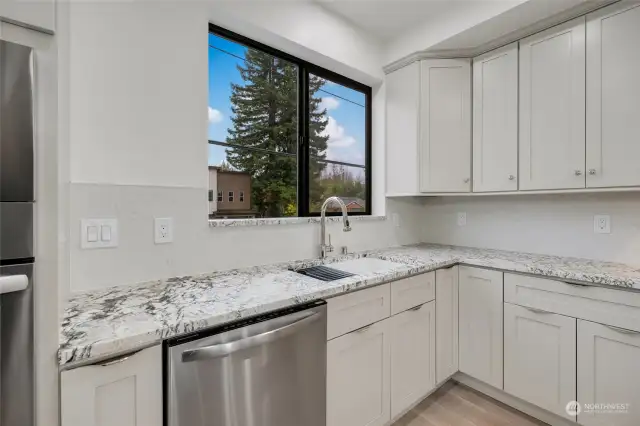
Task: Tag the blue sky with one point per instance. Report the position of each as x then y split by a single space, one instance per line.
346 125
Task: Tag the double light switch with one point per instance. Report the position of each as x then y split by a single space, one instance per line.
99 233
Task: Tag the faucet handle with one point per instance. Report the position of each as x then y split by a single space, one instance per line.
329 247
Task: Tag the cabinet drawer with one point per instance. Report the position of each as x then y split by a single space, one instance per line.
619 308
413 291
356 310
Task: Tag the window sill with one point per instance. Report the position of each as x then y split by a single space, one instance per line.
230 223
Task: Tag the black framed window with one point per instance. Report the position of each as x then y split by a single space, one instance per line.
294 133
219 196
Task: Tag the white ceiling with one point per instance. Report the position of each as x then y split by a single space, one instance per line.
387 19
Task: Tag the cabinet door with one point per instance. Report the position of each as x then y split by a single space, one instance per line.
358 377
480 328
36 14
540 357
123 392
495 120
613 90
402 106
413 356
446 323
445 125
608 373
552 108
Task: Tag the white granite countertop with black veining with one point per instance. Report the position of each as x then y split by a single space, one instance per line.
112 321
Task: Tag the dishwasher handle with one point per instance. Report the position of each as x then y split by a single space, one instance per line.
225 349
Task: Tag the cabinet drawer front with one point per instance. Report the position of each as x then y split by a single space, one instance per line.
411 292
608 306
356 310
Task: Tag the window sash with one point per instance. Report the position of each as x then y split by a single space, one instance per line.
303 156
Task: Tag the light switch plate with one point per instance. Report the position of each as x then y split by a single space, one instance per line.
602 224
462 219
163 230
92 229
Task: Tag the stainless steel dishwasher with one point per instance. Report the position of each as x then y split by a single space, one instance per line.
269 370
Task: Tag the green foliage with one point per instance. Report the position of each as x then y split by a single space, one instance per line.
265 116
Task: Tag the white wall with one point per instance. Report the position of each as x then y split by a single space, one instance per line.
461 16
133 118
554 224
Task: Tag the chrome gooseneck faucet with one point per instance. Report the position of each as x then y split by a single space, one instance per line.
324 247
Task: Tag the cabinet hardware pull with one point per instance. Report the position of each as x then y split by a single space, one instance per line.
416 308
118 360
537 311
621 330
592 172
512 177
578 172
466 180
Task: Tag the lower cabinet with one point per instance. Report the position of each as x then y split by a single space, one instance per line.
608 374
123 392
358 377
540 357
413 354
480 324
446 323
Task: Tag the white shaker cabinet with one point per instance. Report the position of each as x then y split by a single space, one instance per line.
552 108
446 323
608 373
444 150
540 357
613 96
358 377
123 392
39 14
402 115
480 324
413 356
495 120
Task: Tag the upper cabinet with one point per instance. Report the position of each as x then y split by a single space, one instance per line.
445 125
38 14
613 96
495 120
552 108
403 104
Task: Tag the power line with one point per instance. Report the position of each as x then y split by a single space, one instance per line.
320 90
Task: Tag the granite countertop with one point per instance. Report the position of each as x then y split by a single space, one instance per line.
107 322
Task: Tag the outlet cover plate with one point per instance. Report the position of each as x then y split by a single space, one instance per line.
462 219
163 230
602 224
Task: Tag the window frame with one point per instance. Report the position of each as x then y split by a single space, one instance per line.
303 158
220 196
230 196
241 196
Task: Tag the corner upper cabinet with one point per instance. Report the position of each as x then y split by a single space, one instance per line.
402 115
552 108
122 392
38 14
613 94
495 120
444 150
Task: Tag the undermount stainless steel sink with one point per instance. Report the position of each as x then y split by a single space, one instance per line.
324 273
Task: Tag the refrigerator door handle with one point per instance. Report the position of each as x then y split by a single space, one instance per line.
12 283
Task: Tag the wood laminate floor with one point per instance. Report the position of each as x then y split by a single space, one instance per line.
457 405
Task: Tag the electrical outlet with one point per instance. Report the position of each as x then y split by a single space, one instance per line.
602 224
395 217
462 219
163 230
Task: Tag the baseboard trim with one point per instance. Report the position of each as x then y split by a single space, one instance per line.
512 401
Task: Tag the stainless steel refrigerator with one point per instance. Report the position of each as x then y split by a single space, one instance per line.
17 203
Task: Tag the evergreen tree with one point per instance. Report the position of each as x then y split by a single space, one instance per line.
265 116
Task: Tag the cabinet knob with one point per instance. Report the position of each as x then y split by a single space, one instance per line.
578 172
466 180
592 172
511 177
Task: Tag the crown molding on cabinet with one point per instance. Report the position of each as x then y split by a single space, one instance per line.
587 7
